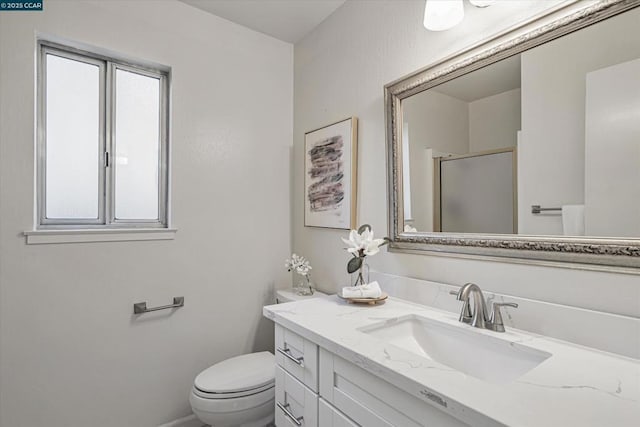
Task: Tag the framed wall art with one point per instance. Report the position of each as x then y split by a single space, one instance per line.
330 173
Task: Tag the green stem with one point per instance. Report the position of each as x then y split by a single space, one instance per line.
360 279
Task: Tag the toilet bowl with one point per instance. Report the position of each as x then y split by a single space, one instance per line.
236 392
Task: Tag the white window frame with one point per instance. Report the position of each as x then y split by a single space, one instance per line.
108 65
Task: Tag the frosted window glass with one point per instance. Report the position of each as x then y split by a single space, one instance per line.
73 145
137 141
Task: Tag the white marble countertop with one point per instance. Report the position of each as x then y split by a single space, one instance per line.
576 386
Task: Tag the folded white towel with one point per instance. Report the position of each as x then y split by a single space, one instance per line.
573 220
370 290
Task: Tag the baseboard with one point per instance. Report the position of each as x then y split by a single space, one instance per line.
188 421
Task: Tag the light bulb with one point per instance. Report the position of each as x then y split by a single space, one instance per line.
482 3
440 15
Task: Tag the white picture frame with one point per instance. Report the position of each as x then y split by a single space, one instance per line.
330 175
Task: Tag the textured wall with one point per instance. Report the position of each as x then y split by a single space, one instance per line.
340 70
71 353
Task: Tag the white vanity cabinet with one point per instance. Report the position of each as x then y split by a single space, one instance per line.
315 387
331 417
296 380
337 373
372 402
297 356
296 404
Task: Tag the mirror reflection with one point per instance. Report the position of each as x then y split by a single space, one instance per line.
546 142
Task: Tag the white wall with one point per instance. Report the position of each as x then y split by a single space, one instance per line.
439 122
494 121
71 353
612 151
554 137
340 70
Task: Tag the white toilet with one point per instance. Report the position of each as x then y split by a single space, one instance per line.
236 392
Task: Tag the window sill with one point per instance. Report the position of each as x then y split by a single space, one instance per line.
43 237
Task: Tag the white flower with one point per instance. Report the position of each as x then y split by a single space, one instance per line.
299 264
363 244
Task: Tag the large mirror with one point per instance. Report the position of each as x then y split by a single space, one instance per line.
526 147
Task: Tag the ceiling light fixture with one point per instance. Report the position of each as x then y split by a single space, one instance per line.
482 3
440 15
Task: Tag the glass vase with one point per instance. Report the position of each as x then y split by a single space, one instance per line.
304 287
361 276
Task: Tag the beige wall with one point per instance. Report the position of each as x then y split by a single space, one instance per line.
71 353
340 70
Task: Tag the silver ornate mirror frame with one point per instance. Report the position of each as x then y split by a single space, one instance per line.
621 255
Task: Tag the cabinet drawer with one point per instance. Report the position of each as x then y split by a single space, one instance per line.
297 356
328 416
296 405
373 402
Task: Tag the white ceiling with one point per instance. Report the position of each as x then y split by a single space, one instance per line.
493 79
287 20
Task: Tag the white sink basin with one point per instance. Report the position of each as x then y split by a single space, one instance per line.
460 347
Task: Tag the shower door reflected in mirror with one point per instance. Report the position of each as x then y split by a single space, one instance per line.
476 193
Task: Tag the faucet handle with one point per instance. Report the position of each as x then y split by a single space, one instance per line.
505 304
454 293
495 319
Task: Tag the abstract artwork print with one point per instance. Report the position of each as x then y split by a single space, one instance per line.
330 171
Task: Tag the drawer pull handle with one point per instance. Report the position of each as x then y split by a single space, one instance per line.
285 409
287 353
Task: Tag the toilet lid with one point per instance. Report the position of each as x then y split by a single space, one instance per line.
241 373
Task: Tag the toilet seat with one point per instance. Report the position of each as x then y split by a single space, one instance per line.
233 404
236 377
232 395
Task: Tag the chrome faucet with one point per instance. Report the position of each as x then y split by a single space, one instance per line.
478 317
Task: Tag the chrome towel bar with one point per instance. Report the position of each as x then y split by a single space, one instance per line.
141 307
536 209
